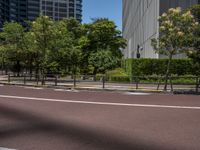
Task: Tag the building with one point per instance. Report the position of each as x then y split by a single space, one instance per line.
33 10
140 24
59 9
22 10
18 10
4 11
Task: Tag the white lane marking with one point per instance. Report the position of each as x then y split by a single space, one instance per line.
63 90
60 90
3 148
34 88
136 93
100 103
1 85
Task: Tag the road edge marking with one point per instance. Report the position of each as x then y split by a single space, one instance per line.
100 103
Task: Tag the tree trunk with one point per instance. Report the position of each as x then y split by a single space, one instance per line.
167 72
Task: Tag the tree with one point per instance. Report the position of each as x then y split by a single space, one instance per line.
102 34
12 44
176 30
59 48
65 50
102 60
42 30
194 52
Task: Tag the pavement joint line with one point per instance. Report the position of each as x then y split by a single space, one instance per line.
100 103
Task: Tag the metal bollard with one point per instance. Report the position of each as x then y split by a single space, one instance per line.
103 81
37 79
137 83
171 84
74 81
8 78
24 79
56 80
197 84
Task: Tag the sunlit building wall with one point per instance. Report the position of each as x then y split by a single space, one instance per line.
140 24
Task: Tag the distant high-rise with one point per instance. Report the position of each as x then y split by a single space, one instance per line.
4 11
140 24
58 9
22 10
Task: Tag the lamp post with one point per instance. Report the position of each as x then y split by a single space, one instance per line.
139 49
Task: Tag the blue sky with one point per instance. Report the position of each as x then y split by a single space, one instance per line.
111 9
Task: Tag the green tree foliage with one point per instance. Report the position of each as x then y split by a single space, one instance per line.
102 34
42 30
102 60
65 46
176 32
194 53
13 43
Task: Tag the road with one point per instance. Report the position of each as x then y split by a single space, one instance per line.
49 119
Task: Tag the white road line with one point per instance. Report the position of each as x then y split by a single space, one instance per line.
60 90
99 103
34 88
63 90
2 148
136 93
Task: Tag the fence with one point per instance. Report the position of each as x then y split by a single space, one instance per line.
188 83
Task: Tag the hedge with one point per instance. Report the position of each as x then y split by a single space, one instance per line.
138 67
117 75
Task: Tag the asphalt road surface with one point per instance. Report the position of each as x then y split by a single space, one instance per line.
48 119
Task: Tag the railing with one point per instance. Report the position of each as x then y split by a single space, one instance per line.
106 82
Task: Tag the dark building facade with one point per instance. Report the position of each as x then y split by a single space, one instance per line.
18 10
22 10
140 24
58 9
4 11
33 10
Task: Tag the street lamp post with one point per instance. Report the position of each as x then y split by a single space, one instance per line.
139 49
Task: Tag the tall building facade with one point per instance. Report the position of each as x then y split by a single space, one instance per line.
140 24
4 11
58 9
22 10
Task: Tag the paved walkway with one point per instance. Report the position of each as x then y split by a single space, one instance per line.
99 85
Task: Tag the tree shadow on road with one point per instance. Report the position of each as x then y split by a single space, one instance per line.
30 124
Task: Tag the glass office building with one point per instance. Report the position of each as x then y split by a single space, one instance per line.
140 24
59 9
22 10
4 11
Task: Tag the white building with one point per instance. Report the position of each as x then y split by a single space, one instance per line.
140 24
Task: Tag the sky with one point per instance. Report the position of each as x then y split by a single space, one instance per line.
111 9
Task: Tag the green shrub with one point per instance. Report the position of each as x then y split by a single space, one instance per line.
117 75
138 67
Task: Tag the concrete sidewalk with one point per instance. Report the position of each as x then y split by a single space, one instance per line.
107 87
